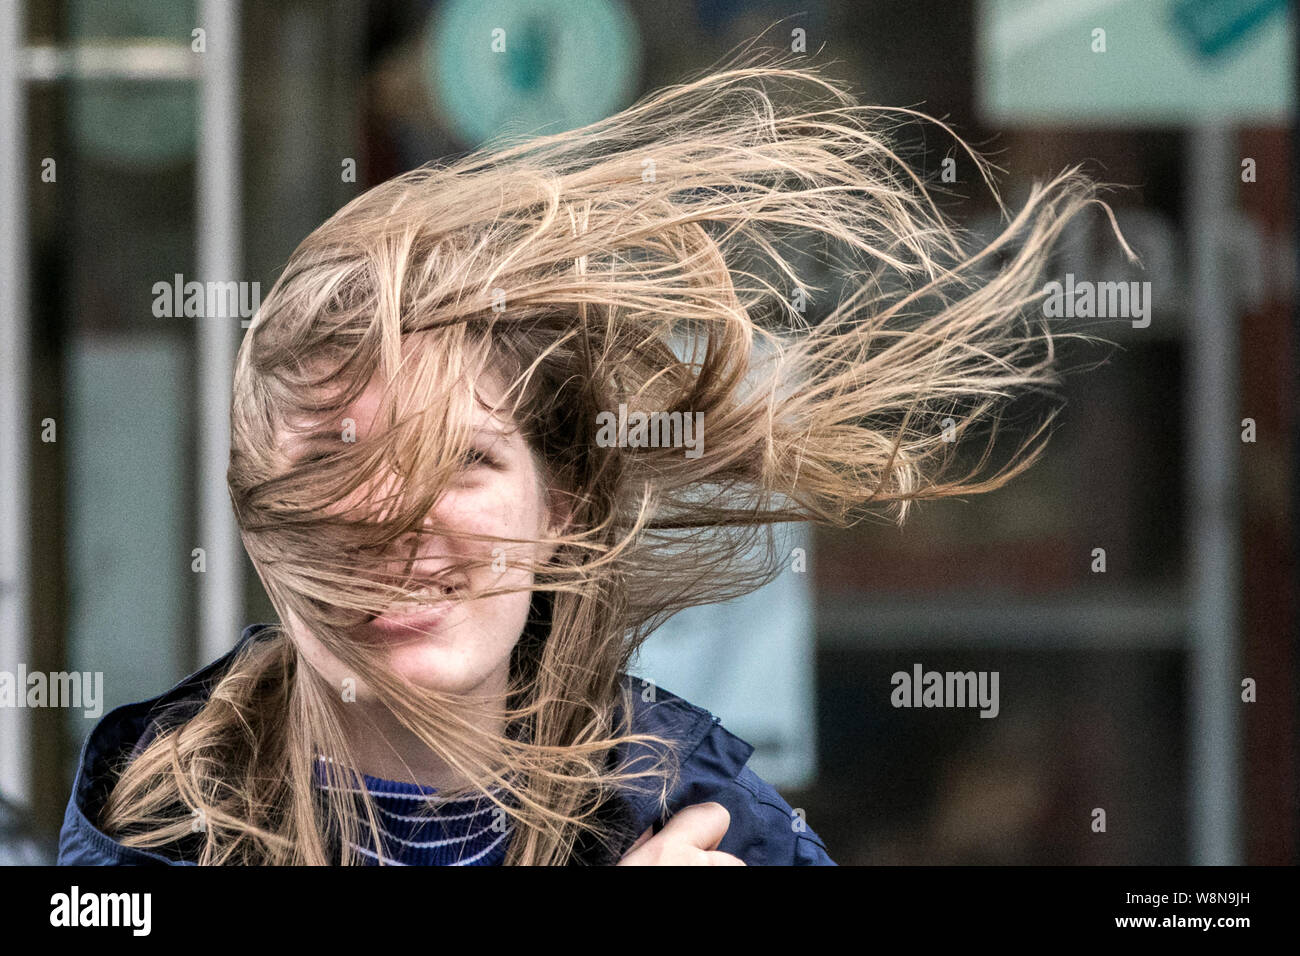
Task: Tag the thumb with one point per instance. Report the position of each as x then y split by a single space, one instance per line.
649 831
701 825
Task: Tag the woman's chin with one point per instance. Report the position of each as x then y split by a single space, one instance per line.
433 665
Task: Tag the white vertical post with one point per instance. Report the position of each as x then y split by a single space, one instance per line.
15 425
1215 565
218 221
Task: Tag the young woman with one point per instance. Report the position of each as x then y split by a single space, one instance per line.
464 552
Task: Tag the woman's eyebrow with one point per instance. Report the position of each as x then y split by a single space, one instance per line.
300 443
321 436
493 430
305 442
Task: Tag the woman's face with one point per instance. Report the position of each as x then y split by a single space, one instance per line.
454 646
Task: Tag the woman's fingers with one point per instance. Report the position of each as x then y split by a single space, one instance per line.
718 858
689 838
701 825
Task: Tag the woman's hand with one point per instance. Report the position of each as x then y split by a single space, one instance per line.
689 838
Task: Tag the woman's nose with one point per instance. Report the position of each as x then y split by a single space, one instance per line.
417 542
427 550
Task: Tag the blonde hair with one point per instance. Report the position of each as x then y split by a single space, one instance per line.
648 260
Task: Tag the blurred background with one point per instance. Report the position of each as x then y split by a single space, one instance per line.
1123 589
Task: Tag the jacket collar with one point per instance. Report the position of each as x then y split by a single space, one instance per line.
709 756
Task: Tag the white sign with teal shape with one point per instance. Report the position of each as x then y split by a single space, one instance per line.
1144 62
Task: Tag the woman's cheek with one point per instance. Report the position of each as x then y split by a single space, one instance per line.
503 512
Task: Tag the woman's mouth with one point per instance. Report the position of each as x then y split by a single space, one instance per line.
437 600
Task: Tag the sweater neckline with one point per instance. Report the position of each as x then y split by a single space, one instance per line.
417 828
396 789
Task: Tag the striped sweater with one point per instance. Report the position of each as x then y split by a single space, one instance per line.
419 829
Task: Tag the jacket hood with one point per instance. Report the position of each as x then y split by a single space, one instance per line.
712 758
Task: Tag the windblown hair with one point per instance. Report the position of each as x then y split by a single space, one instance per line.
659 259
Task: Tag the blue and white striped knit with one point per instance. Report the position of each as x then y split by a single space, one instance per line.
418 829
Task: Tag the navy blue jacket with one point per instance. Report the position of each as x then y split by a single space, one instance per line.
764 830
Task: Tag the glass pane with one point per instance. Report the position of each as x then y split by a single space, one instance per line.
907 785
131 19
